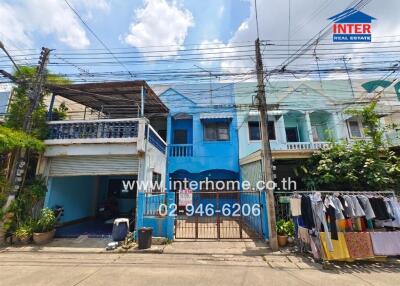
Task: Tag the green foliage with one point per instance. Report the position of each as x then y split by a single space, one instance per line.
46 222
24 231
285 227
23 208
11 139
60 113
364 165
20 103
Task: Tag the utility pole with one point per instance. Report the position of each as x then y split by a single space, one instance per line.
266 148
19 165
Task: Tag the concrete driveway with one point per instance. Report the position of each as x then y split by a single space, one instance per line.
183 263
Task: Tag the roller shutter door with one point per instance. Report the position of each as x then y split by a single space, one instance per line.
93 165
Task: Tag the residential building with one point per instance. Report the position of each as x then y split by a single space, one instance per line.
201 133
305 115
89 163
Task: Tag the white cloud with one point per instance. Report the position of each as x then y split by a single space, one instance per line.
20 22
160 23
306 24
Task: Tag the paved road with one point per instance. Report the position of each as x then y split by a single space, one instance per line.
174 268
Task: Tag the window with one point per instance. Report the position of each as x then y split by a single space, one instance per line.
156 182
354 129
180 136
216 131
254 130
291 134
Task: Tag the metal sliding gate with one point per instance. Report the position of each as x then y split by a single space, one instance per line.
219 215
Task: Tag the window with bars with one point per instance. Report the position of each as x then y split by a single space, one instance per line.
255 133
216 131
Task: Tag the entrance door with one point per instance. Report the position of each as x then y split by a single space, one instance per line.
220 215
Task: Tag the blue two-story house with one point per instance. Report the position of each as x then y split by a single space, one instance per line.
202 133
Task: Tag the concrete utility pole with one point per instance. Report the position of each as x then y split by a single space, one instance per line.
19 165
266 148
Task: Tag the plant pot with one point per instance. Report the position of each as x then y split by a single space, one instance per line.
290 240
282 240
43 237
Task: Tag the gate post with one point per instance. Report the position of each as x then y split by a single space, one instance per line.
170 219
264 214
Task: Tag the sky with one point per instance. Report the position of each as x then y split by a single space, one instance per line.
143 26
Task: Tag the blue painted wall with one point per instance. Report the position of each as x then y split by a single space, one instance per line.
75 194
214 156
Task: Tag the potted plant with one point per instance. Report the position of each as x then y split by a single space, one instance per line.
44 227
282 230
290 231
24 233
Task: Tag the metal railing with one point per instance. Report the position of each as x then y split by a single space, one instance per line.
306 145
180 150
152 203
156 140
108 128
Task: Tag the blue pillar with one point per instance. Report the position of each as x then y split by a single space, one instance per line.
169 141
140 204
264 214
170 219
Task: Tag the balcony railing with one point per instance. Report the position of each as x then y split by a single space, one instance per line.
180 150
305 145
156 140
111 128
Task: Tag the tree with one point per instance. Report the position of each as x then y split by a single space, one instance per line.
366 165
20 103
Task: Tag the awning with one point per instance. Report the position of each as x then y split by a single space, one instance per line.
120 99
256 114
221 115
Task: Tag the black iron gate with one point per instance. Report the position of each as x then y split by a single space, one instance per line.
219 215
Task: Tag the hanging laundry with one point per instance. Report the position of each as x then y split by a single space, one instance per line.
318 208
358 210
386 243
349 208
359 245
295 206
369 212
306 212
303 235
340 251
380 208
338 207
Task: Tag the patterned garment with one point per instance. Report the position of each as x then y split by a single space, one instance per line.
359 245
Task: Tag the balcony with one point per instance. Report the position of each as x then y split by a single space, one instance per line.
305 145
92 131
180 150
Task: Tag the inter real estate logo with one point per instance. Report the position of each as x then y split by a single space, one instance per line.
352 26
